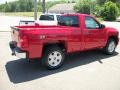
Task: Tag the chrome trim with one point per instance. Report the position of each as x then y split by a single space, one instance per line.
20 55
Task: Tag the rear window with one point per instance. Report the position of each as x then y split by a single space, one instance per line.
69 21
47 17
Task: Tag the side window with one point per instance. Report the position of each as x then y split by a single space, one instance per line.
69 21
91 23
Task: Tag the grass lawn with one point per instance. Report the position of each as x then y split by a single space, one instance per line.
25 14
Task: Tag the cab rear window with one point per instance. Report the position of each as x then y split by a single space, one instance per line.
47 17
69 21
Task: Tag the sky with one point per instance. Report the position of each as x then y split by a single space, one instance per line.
3 1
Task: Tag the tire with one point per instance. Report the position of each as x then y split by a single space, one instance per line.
109 49
53 57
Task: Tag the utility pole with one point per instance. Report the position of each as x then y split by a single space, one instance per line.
43 6
35 9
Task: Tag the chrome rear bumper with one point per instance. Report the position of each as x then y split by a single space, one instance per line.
20 55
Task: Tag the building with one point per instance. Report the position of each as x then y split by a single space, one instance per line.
62 8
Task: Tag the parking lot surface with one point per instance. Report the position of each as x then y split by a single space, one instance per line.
91 70
7 21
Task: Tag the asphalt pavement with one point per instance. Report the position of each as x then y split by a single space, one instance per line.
91 70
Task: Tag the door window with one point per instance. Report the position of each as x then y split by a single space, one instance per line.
91 23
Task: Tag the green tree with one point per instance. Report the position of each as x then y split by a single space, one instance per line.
26 5
13 7
7 7
85 6
110 11
98 10
101 2
52 3
115 1
39 6
2 8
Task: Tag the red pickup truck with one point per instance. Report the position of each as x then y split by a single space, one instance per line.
75 32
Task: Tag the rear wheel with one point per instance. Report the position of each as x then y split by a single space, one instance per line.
110 47
53 57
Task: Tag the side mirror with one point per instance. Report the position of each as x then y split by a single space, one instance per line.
102 26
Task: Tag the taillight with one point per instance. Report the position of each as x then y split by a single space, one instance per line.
23 42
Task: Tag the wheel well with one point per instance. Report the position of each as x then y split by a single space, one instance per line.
115 38
60 45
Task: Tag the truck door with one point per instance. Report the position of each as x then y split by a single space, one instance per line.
74 40
93 36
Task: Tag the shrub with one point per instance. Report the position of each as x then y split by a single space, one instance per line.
118 4
110 11
84 6
98 10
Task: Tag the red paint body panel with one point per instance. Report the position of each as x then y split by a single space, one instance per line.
74 38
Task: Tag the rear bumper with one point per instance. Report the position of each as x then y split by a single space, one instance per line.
17 51
20 54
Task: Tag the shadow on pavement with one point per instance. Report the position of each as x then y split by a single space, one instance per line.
22 71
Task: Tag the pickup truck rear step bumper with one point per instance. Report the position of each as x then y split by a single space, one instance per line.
16 51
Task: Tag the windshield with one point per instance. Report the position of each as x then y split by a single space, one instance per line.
68 21
47 17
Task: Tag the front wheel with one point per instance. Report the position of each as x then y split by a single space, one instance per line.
53 57
110 47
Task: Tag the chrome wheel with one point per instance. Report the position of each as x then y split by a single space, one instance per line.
111 46
109 49
54 58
